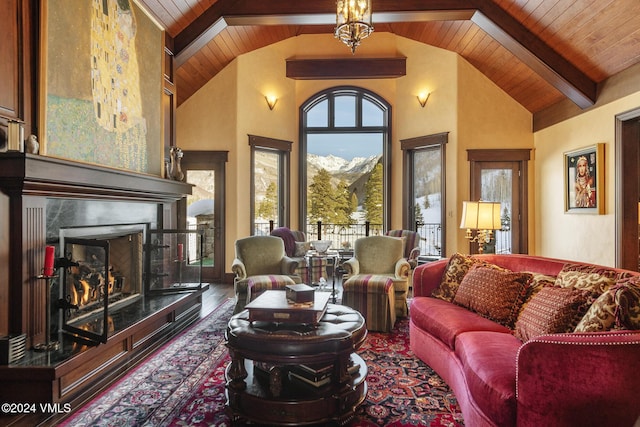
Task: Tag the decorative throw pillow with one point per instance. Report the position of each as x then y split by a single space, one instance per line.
454 272
588 277
552 310
617 308
628 300
494 293
537 282
601 316
301 249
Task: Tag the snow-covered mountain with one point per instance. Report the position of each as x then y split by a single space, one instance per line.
354 172
339 168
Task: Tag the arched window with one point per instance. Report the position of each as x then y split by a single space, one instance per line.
345 164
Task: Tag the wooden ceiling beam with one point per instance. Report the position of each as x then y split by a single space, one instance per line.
346 68
535 53
492 19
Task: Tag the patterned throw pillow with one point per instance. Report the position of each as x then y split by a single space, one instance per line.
617 308
494 293
588 277
301 249
628 300
454 272
601 316
552 310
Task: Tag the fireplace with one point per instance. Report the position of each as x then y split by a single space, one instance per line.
101 270
105 268
122 287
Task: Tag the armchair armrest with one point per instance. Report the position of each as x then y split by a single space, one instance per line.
289 265
579 379
413 257
351 267
239 269
427 277
402 269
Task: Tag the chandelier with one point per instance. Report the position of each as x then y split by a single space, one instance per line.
353 21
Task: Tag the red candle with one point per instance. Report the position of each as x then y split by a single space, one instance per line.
180 252
48 260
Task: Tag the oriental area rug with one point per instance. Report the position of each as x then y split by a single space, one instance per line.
182 384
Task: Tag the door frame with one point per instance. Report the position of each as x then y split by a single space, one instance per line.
209 160
627 189
521 157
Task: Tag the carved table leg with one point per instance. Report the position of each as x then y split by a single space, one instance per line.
237 372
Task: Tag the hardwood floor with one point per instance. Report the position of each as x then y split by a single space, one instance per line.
212 297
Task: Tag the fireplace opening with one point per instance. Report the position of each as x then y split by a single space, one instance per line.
105 269
102 270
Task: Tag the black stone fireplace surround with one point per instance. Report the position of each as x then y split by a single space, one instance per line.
40 195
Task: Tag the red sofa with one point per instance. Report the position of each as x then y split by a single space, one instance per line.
569 379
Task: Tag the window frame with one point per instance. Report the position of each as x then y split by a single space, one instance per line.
409 148
282 149
329 95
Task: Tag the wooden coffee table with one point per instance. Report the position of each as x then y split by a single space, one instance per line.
261 383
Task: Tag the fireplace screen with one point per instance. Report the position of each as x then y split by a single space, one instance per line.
111 267
89 284
174 260
102 270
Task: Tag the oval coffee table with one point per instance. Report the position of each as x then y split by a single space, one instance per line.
265 380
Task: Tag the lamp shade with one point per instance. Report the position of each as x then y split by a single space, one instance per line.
481 216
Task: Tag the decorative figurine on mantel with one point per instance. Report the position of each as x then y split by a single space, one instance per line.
175 168
32 145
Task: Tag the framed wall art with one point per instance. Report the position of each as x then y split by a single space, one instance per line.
584 180
101 85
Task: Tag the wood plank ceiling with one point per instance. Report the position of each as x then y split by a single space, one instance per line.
538 51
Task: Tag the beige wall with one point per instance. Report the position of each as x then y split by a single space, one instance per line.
580 237
475 112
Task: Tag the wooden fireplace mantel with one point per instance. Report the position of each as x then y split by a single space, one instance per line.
30 183
35 175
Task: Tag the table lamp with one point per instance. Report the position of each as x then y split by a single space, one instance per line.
483 217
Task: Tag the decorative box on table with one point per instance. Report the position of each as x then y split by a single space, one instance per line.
272 306
299 293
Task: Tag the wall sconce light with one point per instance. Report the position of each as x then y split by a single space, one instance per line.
483 217
272 100
422 98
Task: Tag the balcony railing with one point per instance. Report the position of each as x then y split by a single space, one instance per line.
343 236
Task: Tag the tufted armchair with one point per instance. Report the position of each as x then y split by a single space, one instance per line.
263 257
381 256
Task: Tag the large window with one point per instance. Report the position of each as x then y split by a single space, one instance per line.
424 190
269 183
345 164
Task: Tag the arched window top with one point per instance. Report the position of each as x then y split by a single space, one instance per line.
343 109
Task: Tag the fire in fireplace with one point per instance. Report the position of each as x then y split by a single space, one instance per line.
102 269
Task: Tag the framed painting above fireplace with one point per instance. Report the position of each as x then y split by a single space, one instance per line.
101 84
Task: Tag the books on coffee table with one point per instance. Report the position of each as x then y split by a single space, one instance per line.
273 306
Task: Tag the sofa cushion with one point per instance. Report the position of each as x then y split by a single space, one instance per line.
454 272
552 310
589 277
494 293
489 364
617 308
446 321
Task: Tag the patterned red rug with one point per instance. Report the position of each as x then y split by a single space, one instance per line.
183 384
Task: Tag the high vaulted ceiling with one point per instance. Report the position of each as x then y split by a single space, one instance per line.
538 51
